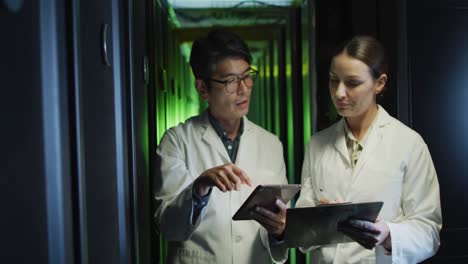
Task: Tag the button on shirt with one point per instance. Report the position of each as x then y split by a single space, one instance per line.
354 146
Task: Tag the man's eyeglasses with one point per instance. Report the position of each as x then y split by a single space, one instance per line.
232 83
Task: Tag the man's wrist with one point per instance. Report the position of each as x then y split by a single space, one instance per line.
200 189
275 240
387 244
278 237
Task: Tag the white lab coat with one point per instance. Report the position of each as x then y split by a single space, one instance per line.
184 153
394 167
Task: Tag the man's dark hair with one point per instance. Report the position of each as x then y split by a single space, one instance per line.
219 44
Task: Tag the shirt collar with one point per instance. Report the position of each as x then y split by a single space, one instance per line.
220 129
350 137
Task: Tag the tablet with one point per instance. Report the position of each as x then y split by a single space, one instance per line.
314 226
265 196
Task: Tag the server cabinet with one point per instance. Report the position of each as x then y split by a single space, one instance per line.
35 155
437 66
139 136
74 132
101 132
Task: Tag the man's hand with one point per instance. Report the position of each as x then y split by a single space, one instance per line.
274 223
226 177
366 233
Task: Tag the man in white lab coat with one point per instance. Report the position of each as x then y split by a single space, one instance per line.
208 166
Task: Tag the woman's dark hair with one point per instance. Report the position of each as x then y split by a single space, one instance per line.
368 50
216 46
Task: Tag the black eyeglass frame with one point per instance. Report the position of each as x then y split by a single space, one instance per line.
237 79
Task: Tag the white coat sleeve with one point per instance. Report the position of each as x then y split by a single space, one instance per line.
307 197
278 251
415 236
173 190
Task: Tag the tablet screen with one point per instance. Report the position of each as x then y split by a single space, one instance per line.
265 196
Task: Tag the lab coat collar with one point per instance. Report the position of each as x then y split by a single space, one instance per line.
340 140
373 142
382 120
210 136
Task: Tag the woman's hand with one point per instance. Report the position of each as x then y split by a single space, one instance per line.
366 233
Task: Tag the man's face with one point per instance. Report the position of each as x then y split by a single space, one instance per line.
225 106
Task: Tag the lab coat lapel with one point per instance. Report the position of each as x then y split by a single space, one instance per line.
372 144
245 151
212 139
340 140
374 141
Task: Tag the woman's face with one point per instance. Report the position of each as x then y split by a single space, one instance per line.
352 87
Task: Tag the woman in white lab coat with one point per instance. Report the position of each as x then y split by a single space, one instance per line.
370 156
